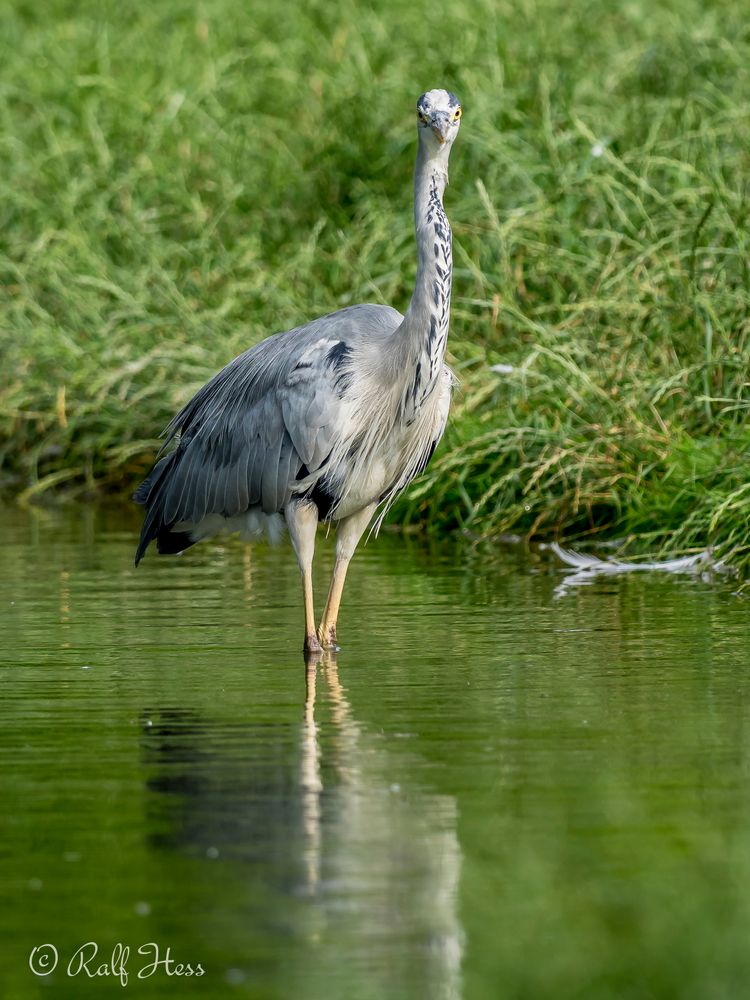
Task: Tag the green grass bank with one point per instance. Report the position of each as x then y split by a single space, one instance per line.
179 179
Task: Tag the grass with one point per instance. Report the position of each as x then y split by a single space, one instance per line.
178 180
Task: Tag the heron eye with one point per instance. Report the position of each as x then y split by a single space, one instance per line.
457 114
421 116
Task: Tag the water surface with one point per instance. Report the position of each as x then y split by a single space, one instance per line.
492 791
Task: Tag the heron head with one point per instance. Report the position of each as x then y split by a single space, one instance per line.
438 118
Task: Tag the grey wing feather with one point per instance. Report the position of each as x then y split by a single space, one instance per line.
235 495
307 420
287 469
271 498
247 435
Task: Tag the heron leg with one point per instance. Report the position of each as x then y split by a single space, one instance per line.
348 534
302 521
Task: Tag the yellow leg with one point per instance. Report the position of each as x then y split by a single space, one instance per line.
311 639
348 534
327 630
302 519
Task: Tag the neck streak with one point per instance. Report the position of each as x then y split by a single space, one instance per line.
424 331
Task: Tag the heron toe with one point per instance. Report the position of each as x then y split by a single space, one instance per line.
327 638
312 645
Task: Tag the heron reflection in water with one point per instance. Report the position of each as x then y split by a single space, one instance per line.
316 819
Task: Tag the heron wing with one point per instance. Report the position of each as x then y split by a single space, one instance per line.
261 429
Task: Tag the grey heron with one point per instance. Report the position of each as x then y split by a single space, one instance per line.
329 421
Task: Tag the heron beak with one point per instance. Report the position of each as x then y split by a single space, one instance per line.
440 123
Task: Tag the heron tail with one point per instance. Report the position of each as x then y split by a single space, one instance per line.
150 494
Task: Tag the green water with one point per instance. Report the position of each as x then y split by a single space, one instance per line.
494 792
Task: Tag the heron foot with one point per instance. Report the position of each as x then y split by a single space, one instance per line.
327 637
311 643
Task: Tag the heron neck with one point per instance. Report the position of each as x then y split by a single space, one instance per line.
424 331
